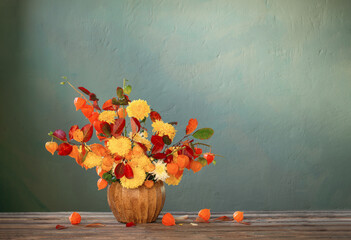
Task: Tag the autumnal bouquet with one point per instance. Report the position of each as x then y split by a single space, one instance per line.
126 155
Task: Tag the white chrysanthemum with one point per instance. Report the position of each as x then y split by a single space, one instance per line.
160 170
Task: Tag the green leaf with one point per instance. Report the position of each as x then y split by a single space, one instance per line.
50 133
214 162
119 92
127 89
203 133
106 129
202 160
166 140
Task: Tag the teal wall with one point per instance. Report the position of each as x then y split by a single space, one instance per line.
273 78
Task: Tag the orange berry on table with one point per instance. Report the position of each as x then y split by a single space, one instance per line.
195 166
205 214
75 218
209 157
122 113
182 161
51 147
172 168
198 151
238 216
149 183
79 103
102 183
168 220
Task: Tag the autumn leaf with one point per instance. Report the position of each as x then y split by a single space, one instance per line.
130 224
135 125
119 171
203 133
155 116
118 127
60 227
64 149
87 132
60 134
84 90
223 218
128 172
72 130
95 225
192 125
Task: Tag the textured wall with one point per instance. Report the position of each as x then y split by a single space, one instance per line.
273 78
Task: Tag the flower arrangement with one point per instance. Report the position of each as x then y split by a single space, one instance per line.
126 154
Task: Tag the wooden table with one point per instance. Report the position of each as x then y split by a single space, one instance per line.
264 225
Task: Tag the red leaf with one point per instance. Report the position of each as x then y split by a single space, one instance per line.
169 159
188 152
143 147
156 149
159 156
96 105
223 218
135 125
126 97
60 135
60 227
157 141
84 90
71 131
92 97
64 149
106 128
198 219
87 132
108 105
97 126
130 224
128 172
119 171
155 116
118 127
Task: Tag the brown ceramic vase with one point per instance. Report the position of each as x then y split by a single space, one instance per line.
139 205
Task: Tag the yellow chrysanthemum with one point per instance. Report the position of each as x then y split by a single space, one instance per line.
138 109
108 116
121 145
141 161
136 181
78 135
139 137
92 160
172 180
137 151
160 171
161 128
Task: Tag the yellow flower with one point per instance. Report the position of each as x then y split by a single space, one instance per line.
121 145
108 116
161 128
160 171
139 137
136 181
138 109
141 161
92 160
172 180
78 135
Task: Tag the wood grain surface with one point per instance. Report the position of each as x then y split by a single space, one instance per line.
264 225
140 205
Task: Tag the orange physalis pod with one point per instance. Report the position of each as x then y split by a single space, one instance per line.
149 183
79 103
172 168
179 174
51 147
168 220
205 214
87 110
99 171
192 125
238 216
195 166
122 113
182 161
94 116
75 218
102 183
149 168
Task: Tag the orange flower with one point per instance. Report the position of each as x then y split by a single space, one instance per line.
192 125
168 220
205 214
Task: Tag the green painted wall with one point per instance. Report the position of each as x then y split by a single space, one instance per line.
273 78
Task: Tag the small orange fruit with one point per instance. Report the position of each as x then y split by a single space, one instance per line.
149 183
168 220
51 147
172 168
209 157
195 166
198 151
238 216
122 113
75 218
205 214
182 161
102 183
